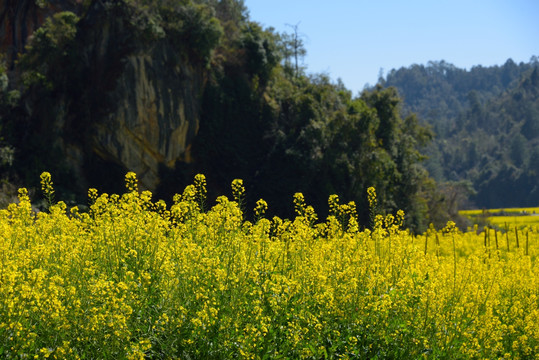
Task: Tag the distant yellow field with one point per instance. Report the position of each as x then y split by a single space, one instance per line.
514 220
520 217
528 210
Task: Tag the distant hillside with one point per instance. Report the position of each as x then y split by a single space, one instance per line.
486 122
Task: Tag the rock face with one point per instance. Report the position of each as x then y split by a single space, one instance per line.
153 95
139 101
156 116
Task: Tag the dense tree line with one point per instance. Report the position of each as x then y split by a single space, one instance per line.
486 122
262 117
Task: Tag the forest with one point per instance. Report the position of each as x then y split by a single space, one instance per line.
173 88
486 122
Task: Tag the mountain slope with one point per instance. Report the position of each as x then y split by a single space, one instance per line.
487 126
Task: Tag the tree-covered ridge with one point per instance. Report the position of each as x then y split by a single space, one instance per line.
486 122
440 91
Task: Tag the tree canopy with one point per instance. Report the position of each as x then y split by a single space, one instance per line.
262 117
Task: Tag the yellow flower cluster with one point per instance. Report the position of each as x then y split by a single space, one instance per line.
46 187
238 191
260 208
133 279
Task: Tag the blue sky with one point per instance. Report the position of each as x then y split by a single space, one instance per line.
354 39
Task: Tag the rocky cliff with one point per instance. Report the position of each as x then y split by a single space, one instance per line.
127 100
156 115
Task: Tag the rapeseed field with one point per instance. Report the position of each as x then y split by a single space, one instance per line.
521 218
133 278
